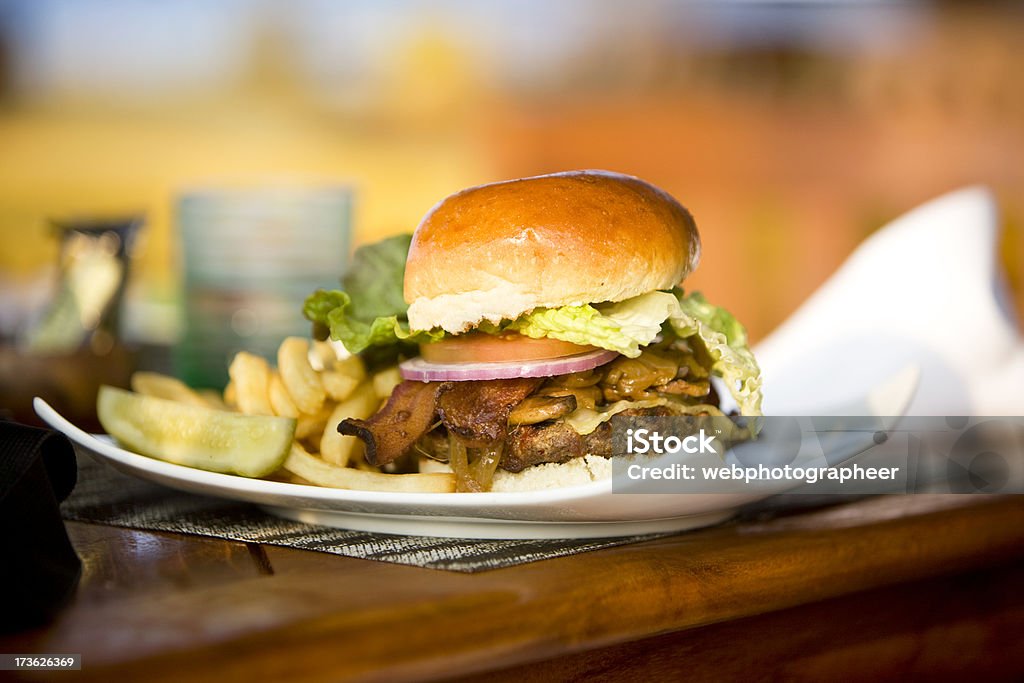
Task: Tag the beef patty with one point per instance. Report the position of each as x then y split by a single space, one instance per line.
555 442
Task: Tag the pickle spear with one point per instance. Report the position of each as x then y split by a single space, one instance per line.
208 439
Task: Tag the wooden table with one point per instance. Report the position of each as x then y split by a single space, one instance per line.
893 585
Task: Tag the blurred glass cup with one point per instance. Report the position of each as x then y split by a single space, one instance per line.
250 257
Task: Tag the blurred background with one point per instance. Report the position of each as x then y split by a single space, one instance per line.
791 130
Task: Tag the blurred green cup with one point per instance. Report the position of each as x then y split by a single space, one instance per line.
250 257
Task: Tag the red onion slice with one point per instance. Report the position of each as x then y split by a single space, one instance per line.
417 369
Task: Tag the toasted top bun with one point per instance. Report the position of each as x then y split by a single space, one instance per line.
497 251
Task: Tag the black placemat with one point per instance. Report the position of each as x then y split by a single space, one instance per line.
105 496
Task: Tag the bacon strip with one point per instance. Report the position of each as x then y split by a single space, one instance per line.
394 429
477 412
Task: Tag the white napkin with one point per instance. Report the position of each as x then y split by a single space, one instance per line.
925 290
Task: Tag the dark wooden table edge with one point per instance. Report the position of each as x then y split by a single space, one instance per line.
965 539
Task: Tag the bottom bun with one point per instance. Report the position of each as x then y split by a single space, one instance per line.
549 475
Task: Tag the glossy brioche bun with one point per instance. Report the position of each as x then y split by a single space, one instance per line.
497 251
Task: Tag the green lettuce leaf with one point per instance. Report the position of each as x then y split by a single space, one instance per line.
375 278
371 311
725 340
624 326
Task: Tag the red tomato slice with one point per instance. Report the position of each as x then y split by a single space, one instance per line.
477 347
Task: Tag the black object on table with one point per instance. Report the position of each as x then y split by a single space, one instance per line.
40 570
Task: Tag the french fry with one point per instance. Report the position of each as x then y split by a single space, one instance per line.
352 366
322 473
358 458
322 356
250 375
300 379
163 386
280 400
213 399
231 396
385 381
339 385
337 448
365 466
311 426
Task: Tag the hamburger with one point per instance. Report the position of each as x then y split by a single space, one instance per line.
526 314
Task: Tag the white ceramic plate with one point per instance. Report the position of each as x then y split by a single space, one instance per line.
588 511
